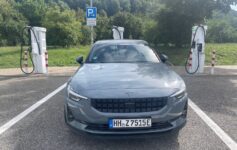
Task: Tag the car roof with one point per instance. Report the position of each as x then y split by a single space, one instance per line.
121 42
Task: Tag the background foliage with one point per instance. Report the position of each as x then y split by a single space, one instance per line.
166 22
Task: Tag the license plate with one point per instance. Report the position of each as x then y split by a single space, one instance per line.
130 123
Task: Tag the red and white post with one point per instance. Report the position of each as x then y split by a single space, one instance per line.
26 60
46 60
213 61
190 60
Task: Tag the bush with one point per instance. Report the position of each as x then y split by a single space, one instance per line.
132 24
222 28
63 28
103 28
11 24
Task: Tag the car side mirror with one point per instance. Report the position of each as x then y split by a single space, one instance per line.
79 60
164 58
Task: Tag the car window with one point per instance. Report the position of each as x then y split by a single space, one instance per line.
122 54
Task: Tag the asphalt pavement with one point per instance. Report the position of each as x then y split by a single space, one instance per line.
44 128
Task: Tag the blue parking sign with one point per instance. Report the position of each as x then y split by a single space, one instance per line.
91 12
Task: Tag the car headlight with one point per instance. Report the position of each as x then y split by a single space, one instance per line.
178 95
74 96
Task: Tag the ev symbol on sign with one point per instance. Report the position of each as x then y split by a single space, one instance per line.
91 12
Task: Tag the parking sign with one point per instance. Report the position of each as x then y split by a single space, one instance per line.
91 13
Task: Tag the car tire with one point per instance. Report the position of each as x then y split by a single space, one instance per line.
175 133
185 111
65 115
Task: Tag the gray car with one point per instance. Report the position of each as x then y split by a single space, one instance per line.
122 88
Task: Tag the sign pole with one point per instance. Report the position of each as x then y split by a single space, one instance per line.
92 38
91 13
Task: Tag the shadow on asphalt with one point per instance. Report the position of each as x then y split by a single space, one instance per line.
207 71
131 142
3 77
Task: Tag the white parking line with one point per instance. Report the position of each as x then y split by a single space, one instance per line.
23 114
219 132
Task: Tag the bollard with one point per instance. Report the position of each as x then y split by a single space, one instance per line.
46 60
190 60
213 61
26 60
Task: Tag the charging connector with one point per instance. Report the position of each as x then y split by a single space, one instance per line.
29 29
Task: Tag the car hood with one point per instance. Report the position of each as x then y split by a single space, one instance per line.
123 79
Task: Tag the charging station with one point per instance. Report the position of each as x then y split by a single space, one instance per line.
37 51
38 44
118 32
196 60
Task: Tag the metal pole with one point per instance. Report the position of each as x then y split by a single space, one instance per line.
92 38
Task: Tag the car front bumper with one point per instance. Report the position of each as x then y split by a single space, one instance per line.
82 117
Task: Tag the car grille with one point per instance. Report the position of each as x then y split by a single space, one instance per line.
129 105
105 127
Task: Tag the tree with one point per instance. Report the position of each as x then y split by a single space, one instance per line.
125 5
86 32
173 28
63 27
75 4
111 7
11 24
33 10
135 5
103 28
141 6
198 9
222 27
158 21
178 16
150 31
132 24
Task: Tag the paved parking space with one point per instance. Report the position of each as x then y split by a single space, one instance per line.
19 93
217 96
44 128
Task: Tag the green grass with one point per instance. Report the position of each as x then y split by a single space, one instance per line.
10 56
226 55
67 57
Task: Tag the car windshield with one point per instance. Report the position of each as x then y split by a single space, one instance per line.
122 54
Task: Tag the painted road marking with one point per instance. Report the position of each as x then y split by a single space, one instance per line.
219 132
23 114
